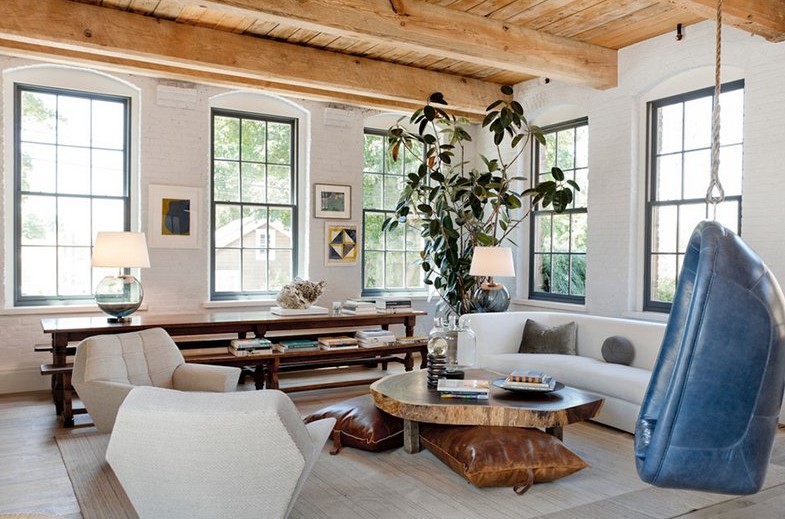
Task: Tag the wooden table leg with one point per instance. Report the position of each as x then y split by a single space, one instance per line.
411 436
67 394
408 361
272 374
424 357
556 431
259 375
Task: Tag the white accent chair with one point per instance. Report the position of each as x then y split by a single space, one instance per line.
211 455
107 367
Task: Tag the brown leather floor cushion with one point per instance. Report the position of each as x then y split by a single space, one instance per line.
360 424
500 456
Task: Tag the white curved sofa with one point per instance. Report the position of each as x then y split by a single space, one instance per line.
623 387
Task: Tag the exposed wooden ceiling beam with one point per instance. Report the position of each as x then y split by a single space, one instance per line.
765 18
424 27
126 39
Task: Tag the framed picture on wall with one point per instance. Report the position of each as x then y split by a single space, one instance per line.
341 244
172 220
332 201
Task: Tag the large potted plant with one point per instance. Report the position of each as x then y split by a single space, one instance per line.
459 207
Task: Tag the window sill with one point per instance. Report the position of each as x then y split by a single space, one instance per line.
57 310
241 303
553 305
656 317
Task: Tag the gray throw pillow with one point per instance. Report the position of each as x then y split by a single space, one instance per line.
618 350
538 338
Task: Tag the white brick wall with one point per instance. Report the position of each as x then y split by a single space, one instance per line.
174 149
653 69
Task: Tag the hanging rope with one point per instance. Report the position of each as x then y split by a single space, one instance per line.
716 194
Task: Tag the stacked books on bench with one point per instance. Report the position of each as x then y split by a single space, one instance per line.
470 389
339 342
358 307
531 380
376 337
393 306
250 347
296 345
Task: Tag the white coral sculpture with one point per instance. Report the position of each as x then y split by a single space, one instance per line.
300 294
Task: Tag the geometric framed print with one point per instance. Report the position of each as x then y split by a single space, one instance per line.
341 244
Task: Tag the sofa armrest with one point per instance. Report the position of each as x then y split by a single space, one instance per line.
205 377
102 399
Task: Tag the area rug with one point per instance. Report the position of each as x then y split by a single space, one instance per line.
395 484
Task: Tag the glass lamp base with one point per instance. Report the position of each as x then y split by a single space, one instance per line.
119 296
492 298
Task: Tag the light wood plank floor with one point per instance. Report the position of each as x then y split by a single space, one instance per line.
34 479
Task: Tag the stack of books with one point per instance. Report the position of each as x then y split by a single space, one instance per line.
358 307
296 345
339 342
530 379
470 389
250 347
376 337
392 306
414 339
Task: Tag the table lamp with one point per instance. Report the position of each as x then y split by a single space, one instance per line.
489 262
120 295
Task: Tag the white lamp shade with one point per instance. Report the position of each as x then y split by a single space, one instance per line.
492 261
120 250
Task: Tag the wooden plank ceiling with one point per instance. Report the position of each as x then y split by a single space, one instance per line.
379 53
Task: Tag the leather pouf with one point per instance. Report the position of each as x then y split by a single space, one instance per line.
360 424
500 456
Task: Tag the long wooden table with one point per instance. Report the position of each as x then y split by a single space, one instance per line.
185 328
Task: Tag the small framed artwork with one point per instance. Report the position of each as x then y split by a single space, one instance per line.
173 217
332 201
342 245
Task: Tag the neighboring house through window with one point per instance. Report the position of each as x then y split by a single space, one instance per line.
679 172
71 180
254 209
389 258
558 241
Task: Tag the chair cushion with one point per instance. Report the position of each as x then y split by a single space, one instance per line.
490 456
360 424
538 338
618 350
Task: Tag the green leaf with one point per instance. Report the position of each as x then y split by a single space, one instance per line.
429 112
516 107
489 118
438 98
429 138
507 90
574 185
557 174
436 176
425 208
494 105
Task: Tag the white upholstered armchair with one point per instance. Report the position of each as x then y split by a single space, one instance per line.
107 367
212 455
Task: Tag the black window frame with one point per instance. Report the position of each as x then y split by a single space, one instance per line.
370 292
649 304
21 300
536 211
294 205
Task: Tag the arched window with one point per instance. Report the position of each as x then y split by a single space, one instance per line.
72 164
254 193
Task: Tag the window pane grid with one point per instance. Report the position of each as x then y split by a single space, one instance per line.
254 214
679 175
71 153
558 241
390 259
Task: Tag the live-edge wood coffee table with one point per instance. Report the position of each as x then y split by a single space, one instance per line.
407 396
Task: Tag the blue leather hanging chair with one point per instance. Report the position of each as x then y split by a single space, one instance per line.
710 412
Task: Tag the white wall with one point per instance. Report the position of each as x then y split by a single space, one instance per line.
650 70
174 149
